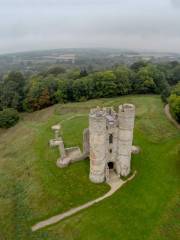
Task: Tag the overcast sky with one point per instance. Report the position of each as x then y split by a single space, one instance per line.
49 24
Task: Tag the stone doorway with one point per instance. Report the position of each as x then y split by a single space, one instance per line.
110 172
110 165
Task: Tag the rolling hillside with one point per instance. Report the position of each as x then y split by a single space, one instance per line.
32 188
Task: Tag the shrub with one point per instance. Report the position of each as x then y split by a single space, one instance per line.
8 118
165 94
174 103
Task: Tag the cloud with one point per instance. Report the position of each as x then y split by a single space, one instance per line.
38 24
176 3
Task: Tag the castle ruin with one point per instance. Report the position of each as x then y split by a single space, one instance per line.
107 142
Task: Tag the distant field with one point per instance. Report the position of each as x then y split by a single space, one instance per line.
32 188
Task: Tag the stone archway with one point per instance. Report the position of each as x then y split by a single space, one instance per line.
110 165
109 170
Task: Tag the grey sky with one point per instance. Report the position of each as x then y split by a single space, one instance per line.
47 24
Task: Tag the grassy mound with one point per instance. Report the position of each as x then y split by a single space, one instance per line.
32 188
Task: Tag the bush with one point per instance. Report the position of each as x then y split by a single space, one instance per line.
8 118
165 94
174 103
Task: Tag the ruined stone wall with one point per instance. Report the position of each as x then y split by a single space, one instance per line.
126 117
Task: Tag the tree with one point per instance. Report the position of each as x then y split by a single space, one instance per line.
8 118
80 89
138 65
104 84
176 89
55 70
176 74
61 93
83 73
40 92
158 77
73 74
165 94
123 76
44 98
174 102
12 91
144 82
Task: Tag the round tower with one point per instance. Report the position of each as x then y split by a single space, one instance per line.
126 117
97 138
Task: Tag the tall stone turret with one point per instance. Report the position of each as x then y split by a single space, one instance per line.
126 117
98 138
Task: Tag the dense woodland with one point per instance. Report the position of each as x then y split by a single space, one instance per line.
58 85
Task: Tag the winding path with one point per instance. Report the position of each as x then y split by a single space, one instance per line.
115 183
169 116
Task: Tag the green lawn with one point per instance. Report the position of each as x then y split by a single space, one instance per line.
32 188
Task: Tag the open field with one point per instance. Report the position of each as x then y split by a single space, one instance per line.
32 188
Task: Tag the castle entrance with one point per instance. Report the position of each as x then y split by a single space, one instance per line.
110 173
110 165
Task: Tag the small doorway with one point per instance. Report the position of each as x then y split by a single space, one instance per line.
110 165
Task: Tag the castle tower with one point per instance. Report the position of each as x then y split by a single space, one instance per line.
126 117
97 137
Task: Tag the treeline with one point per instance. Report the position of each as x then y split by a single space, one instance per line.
174 102
58 85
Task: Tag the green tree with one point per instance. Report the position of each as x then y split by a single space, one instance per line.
138 65
40 92
80 89
12 91
8 118
61 93
144 82
174 102
176 89
55 70
176 74
123 76
73 74
104 84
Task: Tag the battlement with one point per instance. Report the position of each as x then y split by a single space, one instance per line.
107 113
126 111
97 112
127 108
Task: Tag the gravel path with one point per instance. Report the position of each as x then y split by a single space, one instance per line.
114 182
169 116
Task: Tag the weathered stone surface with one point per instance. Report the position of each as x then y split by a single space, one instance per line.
135 150
56 128
73 152
63 162
86 146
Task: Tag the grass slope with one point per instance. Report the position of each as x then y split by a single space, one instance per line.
32 188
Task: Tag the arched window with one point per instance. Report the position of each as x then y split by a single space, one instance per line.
110 138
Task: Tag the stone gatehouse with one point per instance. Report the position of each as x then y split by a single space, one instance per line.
107 142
